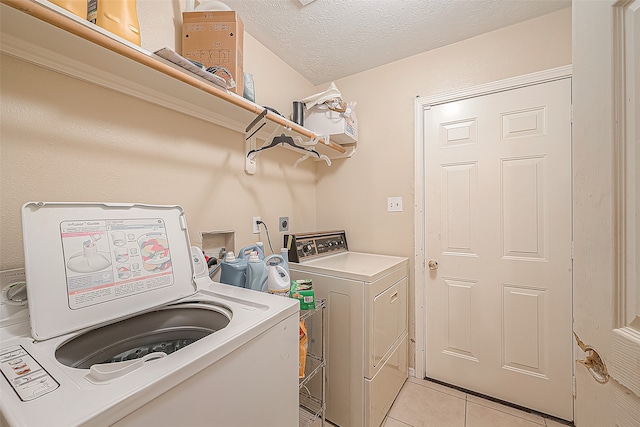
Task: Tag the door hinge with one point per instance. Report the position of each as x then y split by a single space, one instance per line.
574 387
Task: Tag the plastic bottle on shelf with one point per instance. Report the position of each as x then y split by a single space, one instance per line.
121 18
256 272
77 7
278 281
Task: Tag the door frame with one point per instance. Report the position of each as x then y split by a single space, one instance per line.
421 105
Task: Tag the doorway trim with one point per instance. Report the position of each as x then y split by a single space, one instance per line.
421 105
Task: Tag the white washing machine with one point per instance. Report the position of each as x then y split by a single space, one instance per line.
125 328
367 326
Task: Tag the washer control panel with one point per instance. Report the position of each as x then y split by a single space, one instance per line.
306 246
13 297
26 376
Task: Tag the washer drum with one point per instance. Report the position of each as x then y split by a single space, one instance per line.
164 330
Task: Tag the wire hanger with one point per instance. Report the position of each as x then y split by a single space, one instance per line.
274 140
283 139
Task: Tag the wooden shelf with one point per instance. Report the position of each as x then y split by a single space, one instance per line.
44 34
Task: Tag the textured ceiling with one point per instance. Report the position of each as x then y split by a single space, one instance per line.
329 39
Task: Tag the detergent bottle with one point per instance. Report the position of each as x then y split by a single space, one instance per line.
260 247
77 7
284 253
278 281
233 270
256 272
247 250
119 17
274 260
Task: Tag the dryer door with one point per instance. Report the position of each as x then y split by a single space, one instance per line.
389 317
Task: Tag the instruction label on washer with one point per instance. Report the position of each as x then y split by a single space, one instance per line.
25 375
115 258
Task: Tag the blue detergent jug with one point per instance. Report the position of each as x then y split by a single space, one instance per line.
233 268
256 272
245 252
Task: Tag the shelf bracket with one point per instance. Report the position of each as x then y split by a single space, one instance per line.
250 141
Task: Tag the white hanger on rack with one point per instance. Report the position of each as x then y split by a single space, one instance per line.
306 156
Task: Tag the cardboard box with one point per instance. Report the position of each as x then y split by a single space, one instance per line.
215 39
343 130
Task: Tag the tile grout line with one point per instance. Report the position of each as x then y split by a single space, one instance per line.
496 401
400 421
510 414
494 405
466 404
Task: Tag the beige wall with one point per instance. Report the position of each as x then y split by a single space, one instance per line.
67 140
352 194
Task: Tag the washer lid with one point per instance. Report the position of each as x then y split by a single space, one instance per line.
91 263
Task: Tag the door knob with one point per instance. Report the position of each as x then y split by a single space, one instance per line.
433 264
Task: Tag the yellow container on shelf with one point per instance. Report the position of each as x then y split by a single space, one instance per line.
77 7
119 17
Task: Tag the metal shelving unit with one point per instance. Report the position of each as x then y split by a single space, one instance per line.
312 400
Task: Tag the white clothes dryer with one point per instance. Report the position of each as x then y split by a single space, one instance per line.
367 327
125 328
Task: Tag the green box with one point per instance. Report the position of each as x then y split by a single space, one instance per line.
302 290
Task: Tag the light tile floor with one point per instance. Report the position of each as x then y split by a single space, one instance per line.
426 404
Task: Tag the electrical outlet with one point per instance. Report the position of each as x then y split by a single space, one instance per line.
394 204
283 223
256 226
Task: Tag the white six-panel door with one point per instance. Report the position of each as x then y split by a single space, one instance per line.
498 225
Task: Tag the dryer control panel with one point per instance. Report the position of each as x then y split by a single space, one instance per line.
305 246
